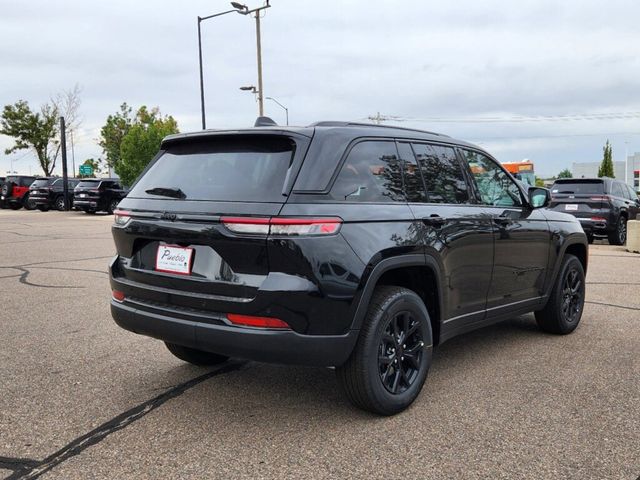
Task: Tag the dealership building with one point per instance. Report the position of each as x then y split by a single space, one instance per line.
590 170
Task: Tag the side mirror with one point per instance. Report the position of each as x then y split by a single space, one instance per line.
539 197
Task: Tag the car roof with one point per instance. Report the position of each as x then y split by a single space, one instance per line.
352 129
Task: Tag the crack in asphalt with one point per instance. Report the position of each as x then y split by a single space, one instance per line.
25 272
626 307
17 465
30 469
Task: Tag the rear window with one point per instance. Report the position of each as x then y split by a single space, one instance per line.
88 184
21 181
42 182
578 187
241 168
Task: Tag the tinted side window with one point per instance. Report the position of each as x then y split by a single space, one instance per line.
413 186
370 173
617 190
494 185
632 195
442 174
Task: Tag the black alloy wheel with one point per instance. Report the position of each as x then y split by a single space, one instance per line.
562 313
400 353
113 205
572 296
389 364
59 203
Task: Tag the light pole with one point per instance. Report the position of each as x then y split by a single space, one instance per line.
236 8
286 110
242 10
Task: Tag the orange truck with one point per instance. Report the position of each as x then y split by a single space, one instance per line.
523 171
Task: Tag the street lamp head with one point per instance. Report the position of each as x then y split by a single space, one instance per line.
250 88
239 6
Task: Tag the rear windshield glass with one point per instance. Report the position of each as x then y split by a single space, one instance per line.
578 187
88 183
242 168
42 182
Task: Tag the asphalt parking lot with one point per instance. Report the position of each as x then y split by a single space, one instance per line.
81 398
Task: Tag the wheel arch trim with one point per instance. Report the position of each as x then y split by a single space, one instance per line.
393 263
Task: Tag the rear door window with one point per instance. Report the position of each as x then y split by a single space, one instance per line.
371 172
442 174
414 188
240 168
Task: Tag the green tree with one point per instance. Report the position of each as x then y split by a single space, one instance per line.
566 173
142 142
606 167
95 164
539 182
33 130
112 133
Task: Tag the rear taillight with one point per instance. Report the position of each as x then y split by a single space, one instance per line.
121 217
118 296
252 225
598 219
283 225
258 322
600 198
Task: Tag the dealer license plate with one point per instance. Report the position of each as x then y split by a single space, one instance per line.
571 207
172 259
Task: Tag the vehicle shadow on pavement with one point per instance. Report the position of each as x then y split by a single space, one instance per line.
288 391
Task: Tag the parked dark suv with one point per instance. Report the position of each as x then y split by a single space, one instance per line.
15 191
48 193
92 195
602 205
347 245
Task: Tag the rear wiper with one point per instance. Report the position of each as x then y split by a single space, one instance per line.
167 192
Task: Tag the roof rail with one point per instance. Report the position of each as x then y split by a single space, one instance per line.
331 123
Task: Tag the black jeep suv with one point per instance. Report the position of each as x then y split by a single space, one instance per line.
92 195
347 245
602 205
46 193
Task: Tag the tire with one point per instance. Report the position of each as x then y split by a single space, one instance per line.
15 205
43 208
6 189
590 238
619 234
27 203
58 203
370 378
90 212
195 357
113 204
561 315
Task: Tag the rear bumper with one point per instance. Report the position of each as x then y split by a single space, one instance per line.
40 200
594 226
86 204
274 346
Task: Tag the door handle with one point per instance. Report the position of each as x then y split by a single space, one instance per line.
502 220
434 221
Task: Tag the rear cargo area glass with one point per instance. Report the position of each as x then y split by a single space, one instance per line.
578 187
231 168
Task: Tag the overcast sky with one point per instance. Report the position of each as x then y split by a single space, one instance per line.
441 66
